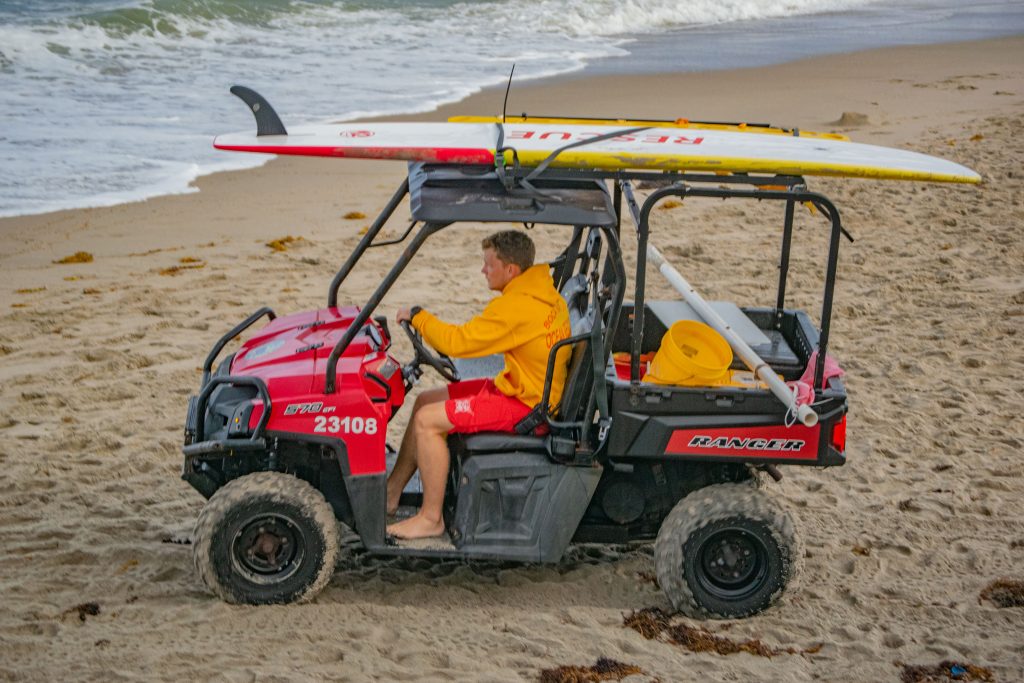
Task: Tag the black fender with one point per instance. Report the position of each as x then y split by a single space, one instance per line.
359 501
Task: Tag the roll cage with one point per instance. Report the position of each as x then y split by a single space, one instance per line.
443 195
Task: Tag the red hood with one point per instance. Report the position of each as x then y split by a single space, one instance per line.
290 346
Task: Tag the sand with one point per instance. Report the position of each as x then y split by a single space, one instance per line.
97 361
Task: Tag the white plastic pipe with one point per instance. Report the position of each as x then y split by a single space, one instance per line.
805 414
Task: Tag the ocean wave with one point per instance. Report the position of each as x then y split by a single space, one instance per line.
113 39
173 20
583 18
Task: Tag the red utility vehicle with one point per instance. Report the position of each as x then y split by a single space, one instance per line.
287 437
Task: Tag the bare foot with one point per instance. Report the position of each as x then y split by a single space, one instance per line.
416 526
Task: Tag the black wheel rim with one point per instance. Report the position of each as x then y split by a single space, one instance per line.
732 563
268 548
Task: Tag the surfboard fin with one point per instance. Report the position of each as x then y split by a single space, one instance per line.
267 121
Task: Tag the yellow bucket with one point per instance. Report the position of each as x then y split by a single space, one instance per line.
691 354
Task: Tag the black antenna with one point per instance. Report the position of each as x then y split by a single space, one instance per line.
504 104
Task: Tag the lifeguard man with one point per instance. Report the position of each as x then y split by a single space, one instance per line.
523 323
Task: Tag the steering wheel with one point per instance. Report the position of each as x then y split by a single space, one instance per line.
440 362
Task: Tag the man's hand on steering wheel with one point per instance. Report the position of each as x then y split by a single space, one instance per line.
404 314
440 362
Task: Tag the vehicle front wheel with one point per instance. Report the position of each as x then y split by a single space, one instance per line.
726 551
266 538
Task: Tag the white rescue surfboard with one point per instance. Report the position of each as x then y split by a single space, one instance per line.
657 146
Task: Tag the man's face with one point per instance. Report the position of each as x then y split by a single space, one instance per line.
497 272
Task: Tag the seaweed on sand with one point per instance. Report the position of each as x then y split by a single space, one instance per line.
653 623
77 257
1004 593
86 609
604 670
283 243
944 671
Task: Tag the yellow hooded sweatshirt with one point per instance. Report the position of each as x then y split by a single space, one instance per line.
523 323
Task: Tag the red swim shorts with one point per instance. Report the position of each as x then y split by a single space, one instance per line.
476 405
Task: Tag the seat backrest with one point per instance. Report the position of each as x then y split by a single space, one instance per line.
576 290
579 379
576 293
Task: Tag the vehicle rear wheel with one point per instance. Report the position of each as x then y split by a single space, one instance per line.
266 538
726 551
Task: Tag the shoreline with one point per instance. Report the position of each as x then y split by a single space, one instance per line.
716 102
893 119
904 97
599 74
